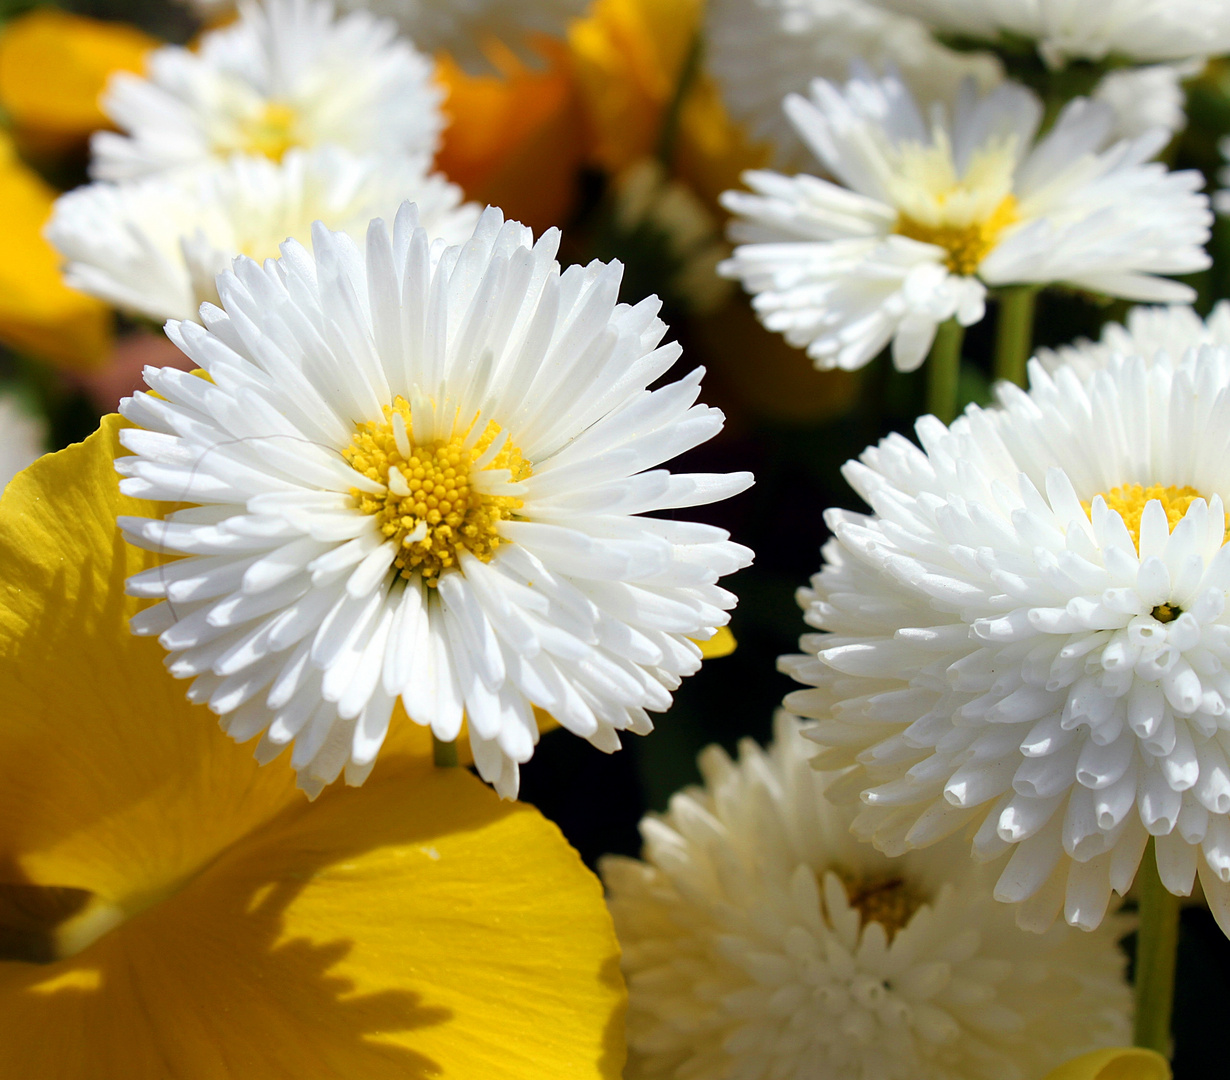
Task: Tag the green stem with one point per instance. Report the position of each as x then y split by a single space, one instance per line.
673 116
1014 334
1157 940
444 754
944 370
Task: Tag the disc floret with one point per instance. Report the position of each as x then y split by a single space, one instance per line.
440 496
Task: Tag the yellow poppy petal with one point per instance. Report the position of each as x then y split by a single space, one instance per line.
721 644
515 139
1119 1063
415 926
132 756
39 314
53 67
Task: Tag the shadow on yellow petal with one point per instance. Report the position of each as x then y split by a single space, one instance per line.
515 139
39 314
1120 1063
53 67
414 927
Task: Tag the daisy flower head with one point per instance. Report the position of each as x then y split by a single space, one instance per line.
464 28
761 50
419 472
1148 332
1029 635
286 74
1065 30
761 940
154 246
928 213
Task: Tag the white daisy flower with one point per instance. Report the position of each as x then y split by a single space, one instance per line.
154 246
464 27
287 74
1147 97
1150 331
1136 30
1029 635
929 213
419 472
23 438
761 50
760 940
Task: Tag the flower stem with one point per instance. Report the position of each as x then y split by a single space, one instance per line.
673 115
943 371
1014 335
1157 940
444 754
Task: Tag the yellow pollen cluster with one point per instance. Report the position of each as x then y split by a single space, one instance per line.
431 508
966 245
271 132
887 900
1130 501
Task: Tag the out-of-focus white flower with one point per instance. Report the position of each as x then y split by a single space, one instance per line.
23 438
287 74
1136 30
1221 199
1150 331
1147 97
419 474
154 246
761 50
929 212
760 940
1029 635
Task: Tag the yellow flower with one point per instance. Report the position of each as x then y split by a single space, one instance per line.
1121 1063
39 314
629 55
514 139
53 66
168 908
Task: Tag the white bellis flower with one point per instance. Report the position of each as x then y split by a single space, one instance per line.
760 940
154 246
286 74
761 50
928 214
1148 332
1063 30
1029 635
419 472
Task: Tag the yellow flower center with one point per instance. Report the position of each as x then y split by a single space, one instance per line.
887 900
1130 501
965 215
966 245
271 132
440 495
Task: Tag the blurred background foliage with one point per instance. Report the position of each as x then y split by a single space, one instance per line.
619 137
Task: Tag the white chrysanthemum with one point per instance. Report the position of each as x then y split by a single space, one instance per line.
1170 331
761 50
23 438
933 212
760 940
1137 30
420 472
154 246
1030 634
287 74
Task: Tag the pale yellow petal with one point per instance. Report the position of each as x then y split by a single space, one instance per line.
721 644
1118 1063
